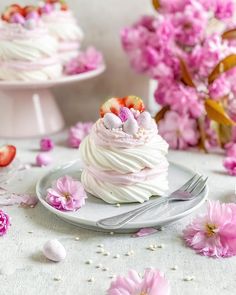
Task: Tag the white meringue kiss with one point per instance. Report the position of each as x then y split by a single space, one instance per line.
112 121
54 250
130 126
145 120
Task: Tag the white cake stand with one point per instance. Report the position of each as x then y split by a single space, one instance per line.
29 109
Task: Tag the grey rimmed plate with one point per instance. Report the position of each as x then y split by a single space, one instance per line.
96 209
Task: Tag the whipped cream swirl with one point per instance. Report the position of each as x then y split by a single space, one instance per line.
124 168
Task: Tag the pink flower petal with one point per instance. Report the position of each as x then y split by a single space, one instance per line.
143 232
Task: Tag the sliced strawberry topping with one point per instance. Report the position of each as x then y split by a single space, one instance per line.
7 155
28 9
112 105
10 10
134 102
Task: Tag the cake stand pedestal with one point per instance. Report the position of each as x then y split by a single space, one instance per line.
29 109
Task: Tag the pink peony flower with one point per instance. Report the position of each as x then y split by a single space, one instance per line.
86 61
214 234
43 159
230 165
179 130
66 194
78 132
4 222
153 282
230 149
46 144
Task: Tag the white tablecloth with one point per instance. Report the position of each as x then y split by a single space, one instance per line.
25 271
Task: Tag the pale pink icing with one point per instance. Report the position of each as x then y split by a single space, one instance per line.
119 139
29 66
130 178
11 32
68 46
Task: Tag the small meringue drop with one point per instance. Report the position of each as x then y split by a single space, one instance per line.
130 126
145 120
54 250
111 121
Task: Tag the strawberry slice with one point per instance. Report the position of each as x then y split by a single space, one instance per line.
112 105
134 102
10 10
7 155
28 9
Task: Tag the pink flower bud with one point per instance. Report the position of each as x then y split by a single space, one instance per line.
17 18
46 144
4 223
43 159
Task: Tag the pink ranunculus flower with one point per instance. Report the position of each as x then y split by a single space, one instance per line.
66 194
179 130
214 234
46 144
86 61
4 222
78 132
152 283
230 165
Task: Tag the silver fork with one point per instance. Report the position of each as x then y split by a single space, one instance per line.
190 190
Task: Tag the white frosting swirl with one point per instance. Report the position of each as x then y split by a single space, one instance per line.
29 55
63 26
137 164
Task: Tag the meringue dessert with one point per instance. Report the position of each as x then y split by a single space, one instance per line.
124 156
63 26
27 51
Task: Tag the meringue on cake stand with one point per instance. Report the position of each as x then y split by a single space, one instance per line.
29 109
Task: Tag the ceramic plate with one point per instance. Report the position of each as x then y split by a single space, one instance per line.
96 209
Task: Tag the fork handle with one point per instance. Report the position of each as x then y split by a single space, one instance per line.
120 220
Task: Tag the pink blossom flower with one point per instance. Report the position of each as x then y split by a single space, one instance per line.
43 159
66 194
78 132
224 9
190 24
230 165
230 149
86 61
219 88
179 130
46 144
211 136
153 282
214 234
4 222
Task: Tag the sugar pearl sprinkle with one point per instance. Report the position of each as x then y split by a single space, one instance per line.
175 267
106 253
91 280
116 256
188 278
130 253
100 246
57 279
105 268
99 266
77 238
100 251
90 261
